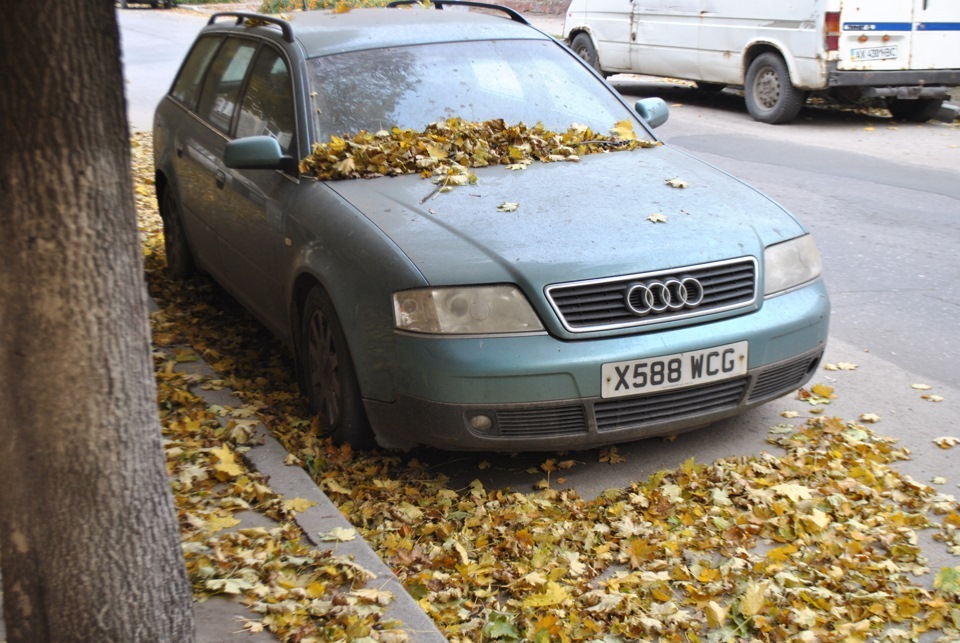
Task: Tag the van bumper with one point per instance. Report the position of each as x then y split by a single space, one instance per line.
926 80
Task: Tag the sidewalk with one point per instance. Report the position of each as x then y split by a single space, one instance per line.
219 619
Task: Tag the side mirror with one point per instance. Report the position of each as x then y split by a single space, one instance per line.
653 110
257 153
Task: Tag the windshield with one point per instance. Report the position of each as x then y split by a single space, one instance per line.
527 81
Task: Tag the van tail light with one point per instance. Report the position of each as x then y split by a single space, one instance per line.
831 30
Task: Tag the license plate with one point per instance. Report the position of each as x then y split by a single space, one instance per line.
874 53
640 376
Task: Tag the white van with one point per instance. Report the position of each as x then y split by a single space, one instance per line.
907 51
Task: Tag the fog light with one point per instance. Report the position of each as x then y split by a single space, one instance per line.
481 423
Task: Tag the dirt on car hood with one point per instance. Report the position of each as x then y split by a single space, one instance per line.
608 214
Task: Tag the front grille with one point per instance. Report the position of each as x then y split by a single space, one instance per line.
670 405
600 304
542 422
782 379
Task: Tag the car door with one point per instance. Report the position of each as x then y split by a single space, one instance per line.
190 171
250 223
199 143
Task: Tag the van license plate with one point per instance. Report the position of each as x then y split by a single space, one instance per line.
637 377
873 53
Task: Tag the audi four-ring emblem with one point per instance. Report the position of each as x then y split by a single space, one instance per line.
659 296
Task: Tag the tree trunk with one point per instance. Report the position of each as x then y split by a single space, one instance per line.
89 543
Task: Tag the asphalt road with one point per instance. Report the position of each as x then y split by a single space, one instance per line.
883 201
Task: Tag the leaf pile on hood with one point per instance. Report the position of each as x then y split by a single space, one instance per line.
450 147
818 542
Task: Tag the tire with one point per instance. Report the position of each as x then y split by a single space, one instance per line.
769 94
330 379
918 110
582 45
710 87
180 263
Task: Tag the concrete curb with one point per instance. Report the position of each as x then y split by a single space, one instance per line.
293 482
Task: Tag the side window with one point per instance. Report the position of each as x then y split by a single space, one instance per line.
187 86
267 106
221 88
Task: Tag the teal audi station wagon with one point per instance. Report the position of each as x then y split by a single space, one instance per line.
607 289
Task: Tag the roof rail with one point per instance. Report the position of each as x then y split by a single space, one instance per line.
513 15
255 19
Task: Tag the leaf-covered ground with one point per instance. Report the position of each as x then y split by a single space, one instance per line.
814 541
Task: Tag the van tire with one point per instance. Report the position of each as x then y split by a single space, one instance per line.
582 45
769 94
918 110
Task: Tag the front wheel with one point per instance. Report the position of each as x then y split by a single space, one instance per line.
769 94
329 375
582 45
918 110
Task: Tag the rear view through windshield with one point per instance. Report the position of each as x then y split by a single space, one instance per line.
527 81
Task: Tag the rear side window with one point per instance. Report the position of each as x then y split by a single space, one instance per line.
223 82
186 89
267 107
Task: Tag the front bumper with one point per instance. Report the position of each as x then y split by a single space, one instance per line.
583 423
542 393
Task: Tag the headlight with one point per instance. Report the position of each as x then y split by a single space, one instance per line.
790 264
474 310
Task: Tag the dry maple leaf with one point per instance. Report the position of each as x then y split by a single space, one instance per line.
947 442
678 183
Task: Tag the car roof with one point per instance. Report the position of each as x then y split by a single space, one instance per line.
321 33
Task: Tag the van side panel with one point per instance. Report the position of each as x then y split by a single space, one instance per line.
666 38
610 28
730 29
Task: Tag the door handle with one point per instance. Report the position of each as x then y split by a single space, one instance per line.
221 179
179 150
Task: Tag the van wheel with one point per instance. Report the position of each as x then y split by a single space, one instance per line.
329 374
583 47
769 95
918 110
180 263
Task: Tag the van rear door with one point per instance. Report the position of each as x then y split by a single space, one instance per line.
877 35
936 36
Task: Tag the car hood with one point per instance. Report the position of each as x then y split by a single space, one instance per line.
574 220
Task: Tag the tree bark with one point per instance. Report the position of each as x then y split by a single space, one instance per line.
89 544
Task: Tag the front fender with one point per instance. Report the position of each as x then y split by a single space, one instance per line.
338 248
